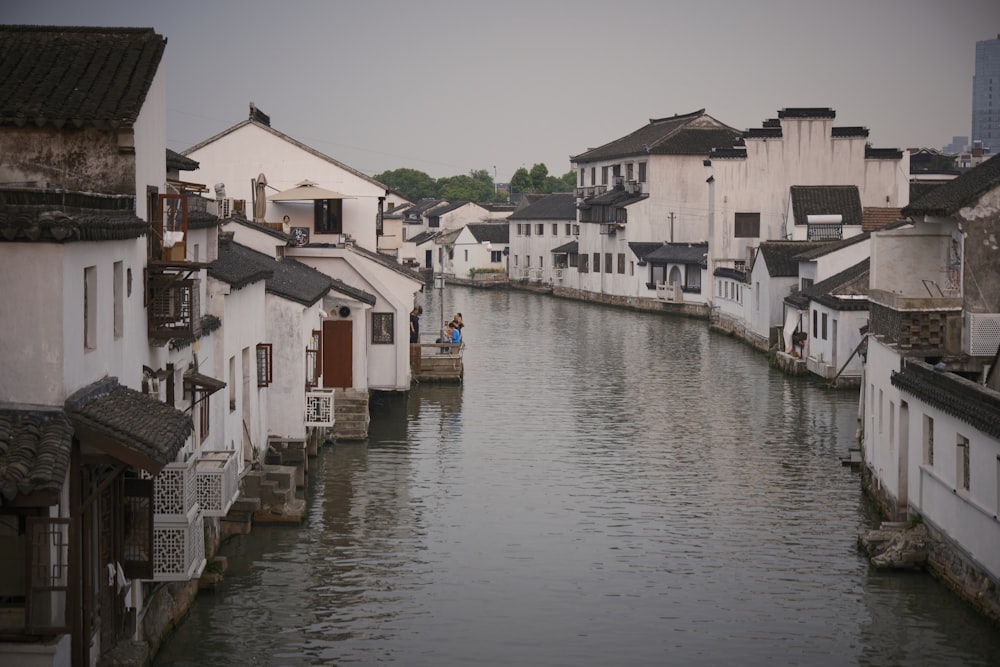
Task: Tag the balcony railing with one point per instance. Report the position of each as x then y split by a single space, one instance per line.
931 325
217 482
175 491
179 548
319 407
172 305
669 292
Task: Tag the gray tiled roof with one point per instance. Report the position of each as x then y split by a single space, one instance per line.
852 281
35 444
68 75
807 112
560 206
148 432
353 292
679 253
642 248
297 282
572 246
180 162
781 257
387 262
494 232
694 133
844 200
423 237
54 215
257 227
948 198
239 265
423 206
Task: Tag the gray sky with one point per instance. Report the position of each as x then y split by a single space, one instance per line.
447 86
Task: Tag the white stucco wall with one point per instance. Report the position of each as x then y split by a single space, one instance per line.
151 143
241 155
902 259
289 329
827 355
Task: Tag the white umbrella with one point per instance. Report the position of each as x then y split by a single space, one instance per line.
307 191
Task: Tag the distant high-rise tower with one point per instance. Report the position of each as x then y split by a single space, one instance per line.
986 95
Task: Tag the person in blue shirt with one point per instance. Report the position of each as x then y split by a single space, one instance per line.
454 334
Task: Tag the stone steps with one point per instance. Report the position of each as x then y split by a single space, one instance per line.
350 410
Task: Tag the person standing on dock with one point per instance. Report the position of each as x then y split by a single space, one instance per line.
415 324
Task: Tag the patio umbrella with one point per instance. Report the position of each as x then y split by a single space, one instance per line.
307 191
260 199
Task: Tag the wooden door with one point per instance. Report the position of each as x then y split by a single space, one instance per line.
338 353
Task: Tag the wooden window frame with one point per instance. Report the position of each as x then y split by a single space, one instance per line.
383 328
264 364
746 225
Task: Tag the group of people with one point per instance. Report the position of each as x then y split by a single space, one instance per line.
452 332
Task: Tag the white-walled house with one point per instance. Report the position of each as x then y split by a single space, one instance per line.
333 227
930 404
539 234
480 246
774 273
91 235
345 201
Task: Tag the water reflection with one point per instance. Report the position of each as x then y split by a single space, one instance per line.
606 487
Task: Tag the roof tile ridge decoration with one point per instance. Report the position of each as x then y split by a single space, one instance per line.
972 403
727 154
806 112
852 131
289 139
675 117
883 153
55 226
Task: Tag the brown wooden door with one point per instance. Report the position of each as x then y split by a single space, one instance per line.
337 353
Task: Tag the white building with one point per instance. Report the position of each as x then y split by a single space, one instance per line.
930 404
539 234
480 247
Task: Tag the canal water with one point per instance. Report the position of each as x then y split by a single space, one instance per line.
606 488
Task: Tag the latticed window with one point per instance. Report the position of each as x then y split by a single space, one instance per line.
264 377
137 541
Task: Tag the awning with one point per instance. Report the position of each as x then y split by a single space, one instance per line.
203 383
307 191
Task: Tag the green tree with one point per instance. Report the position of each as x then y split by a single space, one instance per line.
411 183
521 181
568 182
538 174
469 188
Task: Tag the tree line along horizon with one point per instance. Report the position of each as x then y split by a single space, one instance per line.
476 186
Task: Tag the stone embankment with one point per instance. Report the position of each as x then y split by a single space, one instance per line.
896 546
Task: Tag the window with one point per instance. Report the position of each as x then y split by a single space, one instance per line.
806 283
584 266
541 261
313 360
604 175
90 308
328 216
382 328
962 463
465 253
593 175
631 268
576 230
496 256
692 277
642 172
515 260
527 260
264 377
616 171
555 229
928 441
232 384
573 259
581 176
628 171
824 326
607 262
540 229
597 262
621 263
746 225
119 290
815 327
204 412
569 229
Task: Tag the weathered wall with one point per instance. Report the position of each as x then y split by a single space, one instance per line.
85 159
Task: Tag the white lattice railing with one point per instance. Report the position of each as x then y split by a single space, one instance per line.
175 491
319 407
217 482
179 548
